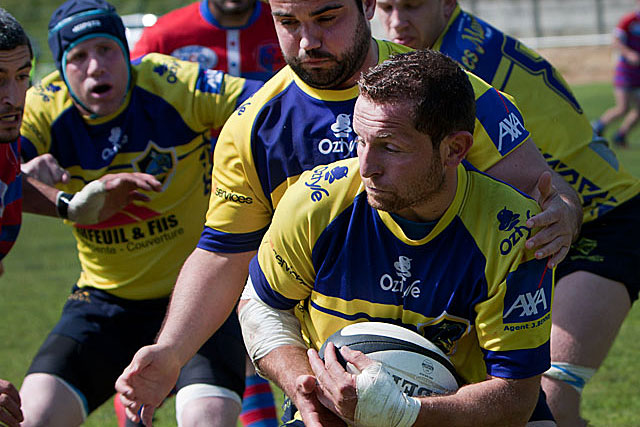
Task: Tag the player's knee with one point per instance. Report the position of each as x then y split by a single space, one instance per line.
574 375
207 405
50 401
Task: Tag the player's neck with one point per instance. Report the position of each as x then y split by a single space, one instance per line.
436 205
370 61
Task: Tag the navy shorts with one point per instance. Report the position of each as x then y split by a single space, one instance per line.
540 413
98 334
608 246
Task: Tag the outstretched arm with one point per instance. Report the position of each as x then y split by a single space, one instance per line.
205 293
561 215
45 168
97 201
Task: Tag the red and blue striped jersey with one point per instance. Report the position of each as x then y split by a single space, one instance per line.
10 196
192 33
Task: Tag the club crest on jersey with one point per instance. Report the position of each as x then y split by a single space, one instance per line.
445 331
401 284
509 221
157 162
528 295
204 56
270 57
324 174
344 142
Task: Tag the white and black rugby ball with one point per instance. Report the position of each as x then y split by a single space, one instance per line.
415 363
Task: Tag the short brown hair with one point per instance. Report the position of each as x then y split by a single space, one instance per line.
440 90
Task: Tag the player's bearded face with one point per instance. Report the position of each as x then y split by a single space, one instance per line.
417 188
339 68
16 65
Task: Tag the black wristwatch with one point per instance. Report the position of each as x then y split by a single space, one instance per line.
62 204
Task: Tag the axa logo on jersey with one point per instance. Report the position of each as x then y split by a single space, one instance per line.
528 294
528 302
501 120
401 283
511 127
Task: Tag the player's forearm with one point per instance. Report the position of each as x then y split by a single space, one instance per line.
494 402
284 365
38 198
205 293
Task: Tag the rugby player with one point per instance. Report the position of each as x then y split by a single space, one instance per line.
99 113
599 279
15 66
300 118
626 79
237 37
407 209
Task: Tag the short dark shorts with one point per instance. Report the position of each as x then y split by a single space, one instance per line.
540 413
608 246
98 334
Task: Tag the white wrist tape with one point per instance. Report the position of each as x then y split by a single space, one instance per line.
381 403
86 204
265 328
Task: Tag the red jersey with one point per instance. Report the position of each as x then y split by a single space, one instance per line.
628 32
192 33
10 196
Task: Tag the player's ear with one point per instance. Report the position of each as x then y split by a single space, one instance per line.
369 7
454 147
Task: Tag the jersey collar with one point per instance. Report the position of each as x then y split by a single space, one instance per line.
444 221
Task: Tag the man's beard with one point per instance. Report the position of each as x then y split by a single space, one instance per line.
5 137
420 192
345 67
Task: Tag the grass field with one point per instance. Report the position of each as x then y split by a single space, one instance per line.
42 268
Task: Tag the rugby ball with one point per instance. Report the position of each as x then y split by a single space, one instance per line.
417 366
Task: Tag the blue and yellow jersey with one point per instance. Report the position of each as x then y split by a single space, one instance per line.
554 117
289 127
161 129
469 286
